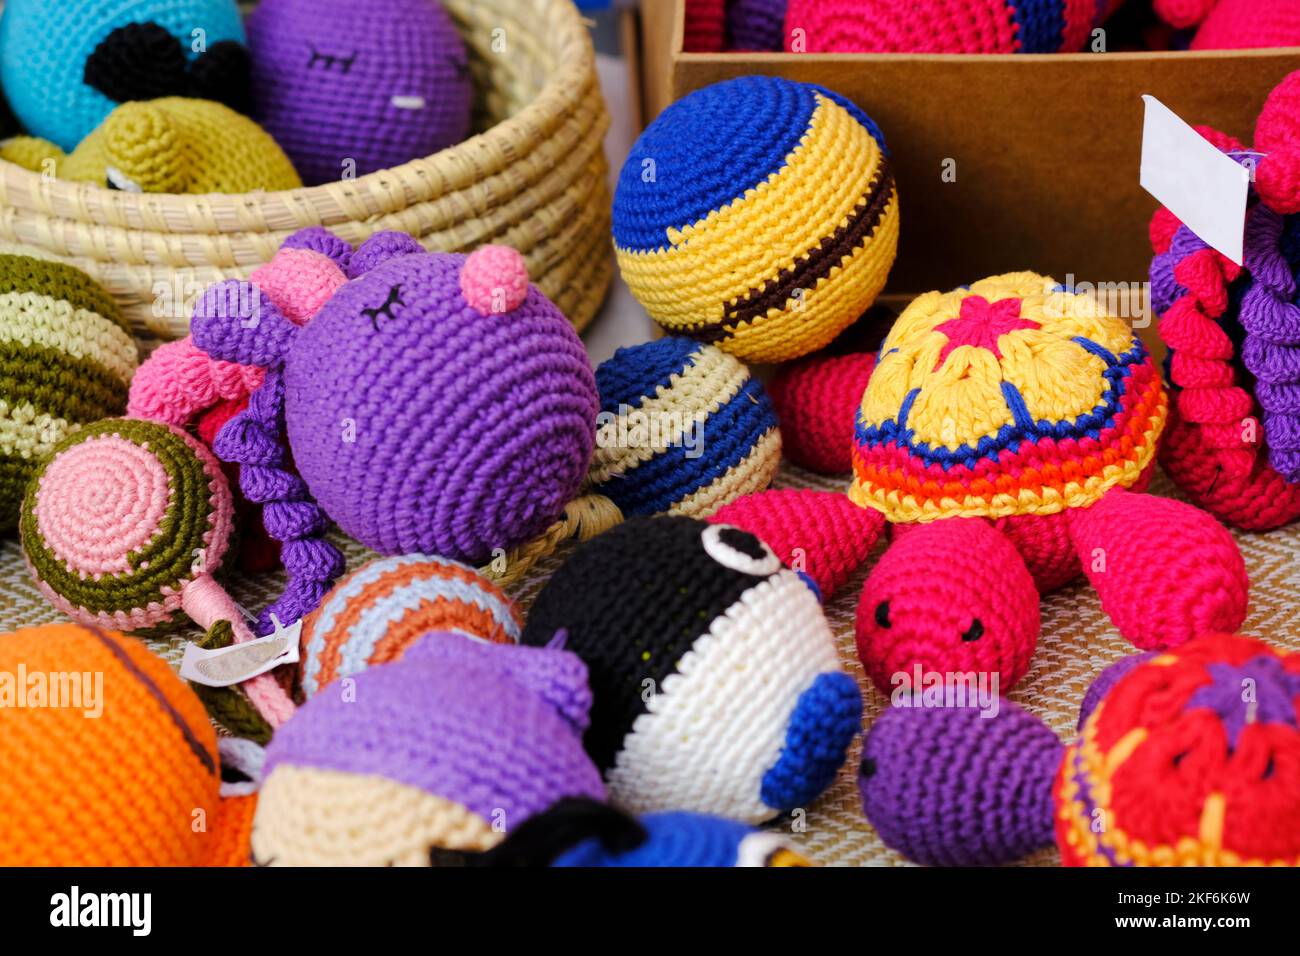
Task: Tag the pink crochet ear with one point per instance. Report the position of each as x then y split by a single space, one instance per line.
1277 134
494 280
1165 571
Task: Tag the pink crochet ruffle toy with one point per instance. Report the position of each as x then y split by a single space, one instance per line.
1005 435
1235 24
1233 443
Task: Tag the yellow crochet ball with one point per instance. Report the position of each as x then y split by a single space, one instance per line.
170 145
759 215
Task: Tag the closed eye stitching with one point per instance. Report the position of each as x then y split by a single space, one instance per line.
386 310
330 61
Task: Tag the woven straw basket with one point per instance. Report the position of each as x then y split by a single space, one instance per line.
534 178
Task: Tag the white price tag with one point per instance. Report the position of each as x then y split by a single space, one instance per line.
226 666
1204 188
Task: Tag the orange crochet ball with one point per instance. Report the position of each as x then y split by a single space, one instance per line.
109 758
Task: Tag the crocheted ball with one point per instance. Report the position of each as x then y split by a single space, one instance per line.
941 26
421 425
817 424
447 749
1247 24
120 518
1213 731
755 24
683 429
954 786
116 774
66 358
349 87
64 66
1011 396
178 145
759 215
704 653
376 613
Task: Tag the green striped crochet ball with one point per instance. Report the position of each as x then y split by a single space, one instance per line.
66 359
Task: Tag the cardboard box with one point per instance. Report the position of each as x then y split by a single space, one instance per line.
1045 148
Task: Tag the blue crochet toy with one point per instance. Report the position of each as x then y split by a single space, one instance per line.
581 832
65 64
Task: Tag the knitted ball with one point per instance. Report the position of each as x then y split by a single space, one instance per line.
121 518
942 26
422 425
717 685
64 66
1191 759
349 87
1011 396
759 215
446 749
755 24
953 786
66 358
683 429
122 772
930 606
179 145
376 613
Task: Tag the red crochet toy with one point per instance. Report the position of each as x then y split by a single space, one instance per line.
1005 435
1235 24
1233 444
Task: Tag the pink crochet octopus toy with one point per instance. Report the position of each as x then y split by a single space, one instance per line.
1005 434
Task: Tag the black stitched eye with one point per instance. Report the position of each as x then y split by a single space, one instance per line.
329 61
975 632
867 768
739 551
386 310
882 615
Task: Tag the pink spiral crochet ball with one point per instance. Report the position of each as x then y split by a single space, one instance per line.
122 518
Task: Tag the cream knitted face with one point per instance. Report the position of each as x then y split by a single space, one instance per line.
309 817
718 724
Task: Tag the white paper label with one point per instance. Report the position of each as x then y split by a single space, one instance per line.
226 666
1204 188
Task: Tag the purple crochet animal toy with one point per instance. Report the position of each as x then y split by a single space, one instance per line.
348 87
433 403
441 753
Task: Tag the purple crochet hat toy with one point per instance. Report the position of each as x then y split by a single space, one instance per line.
447 749
348 87
433 403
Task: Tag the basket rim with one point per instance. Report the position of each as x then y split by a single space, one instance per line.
563 91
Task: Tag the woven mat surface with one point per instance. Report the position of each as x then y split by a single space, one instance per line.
1078 641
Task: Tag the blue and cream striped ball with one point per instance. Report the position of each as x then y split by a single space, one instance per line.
759 215
683 429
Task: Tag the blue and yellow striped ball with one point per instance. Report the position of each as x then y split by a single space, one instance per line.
683 429
759 215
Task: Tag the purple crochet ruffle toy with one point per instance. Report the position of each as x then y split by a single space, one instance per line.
447 749
433 403
348 87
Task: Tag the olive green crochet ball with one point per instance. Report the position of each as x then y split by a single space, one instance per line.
66 359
